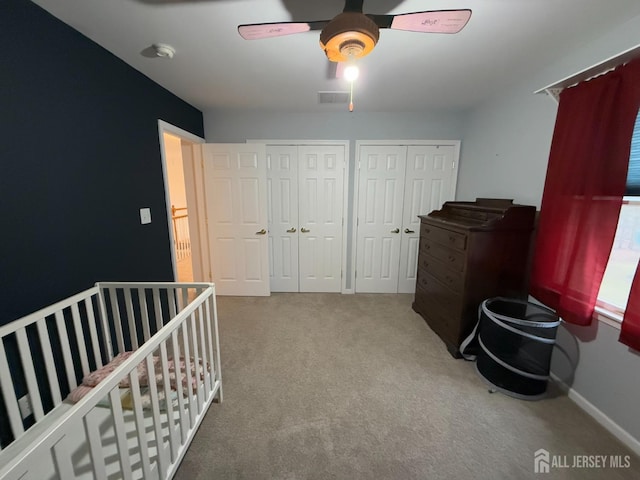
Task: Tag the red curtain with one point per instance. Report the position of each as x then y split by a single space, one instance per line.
583 191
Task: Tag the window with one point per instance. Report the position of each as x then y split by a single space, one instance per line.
614 290
616 284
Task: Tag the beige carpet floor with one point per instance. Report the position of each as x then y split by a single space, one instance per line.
329 386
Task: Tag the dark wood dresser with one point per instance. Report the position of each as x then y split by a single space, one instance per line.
470 251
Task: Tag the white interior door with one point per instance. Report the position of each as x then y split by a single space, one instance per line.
380 200
429 183
235 178
321 177
282 190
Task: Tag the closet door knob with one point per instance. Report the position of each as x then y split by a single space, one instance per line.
261 232
397 230
291 230
406 230
304 230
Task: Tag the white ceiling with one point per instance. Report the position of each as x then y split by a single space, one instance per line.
214 68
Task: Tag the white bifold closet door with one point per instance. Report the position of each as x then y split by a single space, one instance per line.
305 192
396 184
235 191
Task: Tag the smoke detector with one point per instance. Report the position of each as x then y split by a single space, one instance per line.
163 50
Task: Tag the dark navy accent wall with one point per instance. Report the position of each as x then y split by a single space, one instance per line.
79 156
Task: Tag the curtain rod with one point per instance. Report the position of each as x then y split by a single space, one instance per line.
593 71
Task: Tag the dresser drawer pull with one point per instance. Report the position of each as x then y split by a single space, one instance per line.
452 258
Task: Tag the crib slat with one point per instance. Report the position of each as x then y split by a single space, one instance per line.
216 340
66 351
141 431
205 360
187 373
196 361
104 323
133 333
77 325
29 373
121 434
164 366
157 420
92 431
115 309
49 363
171 294
184 420
144 312
9 394
62 460
208 320
157 309
93 332
185 297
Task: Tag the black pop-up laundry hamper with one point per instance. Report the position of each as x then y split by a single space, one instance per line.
516 340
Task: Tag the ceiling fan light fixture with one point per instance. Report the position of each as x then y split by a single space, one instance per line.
349 35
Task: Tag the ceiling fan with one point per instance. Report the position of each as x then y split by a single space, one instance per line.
353 34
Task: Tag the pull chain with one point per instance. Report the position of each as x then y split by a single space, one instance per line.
351 98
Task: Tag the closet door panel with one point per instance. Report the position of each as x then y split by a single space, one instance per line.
380 199
428 184
235 186
320 180
282 187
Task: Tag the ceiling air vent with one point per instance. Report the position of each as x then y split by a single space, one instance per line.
333 97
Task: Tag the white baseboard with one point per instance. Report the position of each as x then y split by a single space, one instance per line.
616 430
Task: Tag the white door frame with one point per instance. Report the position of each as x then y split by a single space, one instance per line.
345 191
356 183
165 127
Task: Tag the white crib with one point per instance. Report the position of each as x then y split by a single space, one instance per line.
46 354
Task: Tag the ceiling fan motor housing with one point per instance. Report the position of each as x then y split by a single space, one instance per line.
349 35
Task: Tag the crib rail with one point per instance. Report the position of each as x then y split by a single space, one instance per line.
173 331
65 339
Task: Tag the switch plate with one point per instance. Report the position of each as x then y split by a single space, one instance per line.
145 216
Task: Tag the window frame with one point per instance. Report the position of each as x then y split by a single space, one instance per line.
607 312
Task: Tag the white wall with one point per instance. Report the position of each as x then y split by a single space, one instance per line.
505 150
220 126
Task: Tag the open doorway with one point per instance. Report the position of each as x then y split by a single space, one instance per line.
178 164
179 211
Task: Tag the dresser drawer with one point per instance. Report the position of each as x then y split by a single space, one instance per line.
438 294
440 306
451 278
450 258
444 237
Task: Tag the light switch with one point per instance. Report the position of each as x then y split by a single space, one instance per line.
145 216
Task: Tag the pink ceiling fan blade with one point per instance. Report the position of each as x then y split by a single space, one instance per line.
266 30
440 21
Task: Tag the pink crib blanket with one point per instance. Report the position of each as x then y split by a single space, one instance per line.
94 378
